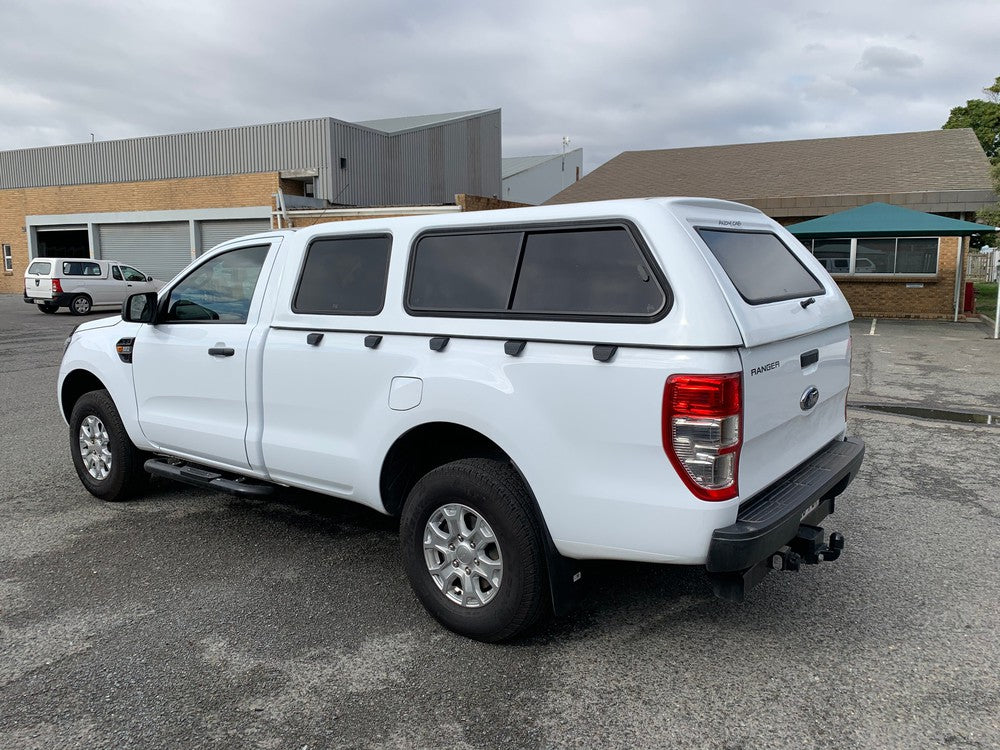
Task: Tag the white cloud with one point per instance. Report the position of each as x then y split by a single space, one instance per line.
613 77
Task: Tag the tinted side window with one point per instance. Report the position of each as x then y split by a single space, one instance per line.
344 276
219 290
760 266
116 273
464 272
80 268
590 272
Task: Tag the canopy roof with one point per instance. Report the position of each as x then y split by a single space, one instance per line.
883 220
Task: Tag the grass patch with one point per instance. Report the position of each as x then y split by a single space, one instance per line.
986 297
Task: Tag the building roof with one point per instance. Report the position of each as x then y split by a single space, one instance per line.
512 165
883 220
934 160
400 124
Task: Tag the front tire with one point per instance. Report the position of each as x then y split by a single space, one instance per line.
107 462
80 304
473 551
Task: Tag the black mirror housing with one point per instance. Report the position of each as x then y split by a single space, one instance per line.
140 308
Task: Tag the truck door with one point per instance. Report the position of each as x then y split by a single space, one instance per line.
190 368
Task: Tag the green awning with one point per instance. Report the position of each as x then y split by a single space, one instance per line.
883 220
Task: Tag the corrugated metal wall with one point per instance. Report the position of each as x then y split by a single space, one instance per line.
423 166
255 148
216 232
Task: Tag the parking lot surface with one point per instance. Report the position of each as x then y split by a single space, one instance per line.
194 619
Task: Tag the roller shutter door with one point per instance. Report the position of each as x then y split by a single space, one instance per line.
159 249
214 232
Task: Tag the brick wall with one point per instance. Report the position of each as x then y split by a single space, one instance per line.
890 298
156 195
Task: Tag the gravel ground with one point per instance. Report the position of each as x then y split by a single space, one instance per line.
193 619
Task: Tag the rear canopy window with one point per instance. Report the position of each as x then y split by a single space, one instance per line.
80 268
761 267
40 267
599 272
344 276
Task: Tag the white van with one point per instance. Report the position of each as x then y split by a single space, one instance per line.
82 284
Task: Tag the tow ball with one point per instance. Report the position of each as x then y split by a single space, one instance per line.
808 548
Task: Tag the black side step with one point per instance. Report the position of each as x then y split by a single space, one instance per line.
206 478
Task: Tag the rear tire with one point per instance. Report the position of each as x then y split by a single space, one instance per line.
80 305
48 308
108 464
472 548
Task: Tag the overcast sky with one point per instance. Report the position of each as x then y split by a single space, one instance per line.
613 76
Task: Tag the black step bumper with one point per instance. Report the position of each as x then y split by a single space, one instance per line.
770 520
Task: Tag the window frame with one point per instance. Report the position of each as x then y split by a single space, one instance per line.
163 300
630 228
305 259
852 267
792 253
8 258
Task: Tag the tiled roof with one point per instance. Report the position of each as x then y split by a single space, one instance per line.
934 160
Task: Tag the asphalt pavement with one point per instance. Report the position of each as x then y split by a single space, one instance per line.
193 619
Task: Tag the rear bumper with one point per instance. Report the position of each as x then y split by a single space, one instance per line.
770 520
59 300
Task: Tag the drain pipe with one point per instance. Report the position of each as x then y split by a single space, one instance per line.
958 275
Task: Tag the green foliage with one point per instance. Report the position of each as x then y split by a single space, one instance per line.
983 117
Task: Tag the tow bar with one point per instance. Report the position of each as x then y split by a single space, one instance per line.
809 547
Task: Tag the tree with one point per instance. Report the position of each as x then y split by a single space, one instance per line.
983 116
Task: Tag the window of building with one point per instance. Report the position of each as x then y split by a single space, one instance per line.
344 276
8 259
598 272
894 256
760 266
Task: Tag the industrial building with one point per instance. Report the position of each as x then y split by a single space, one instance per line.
157 202
534 179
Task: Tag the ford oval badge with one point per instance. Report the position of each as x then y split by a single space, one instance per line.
810 397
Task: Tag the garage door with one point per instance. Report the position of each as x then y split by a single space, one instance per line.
214 232
158 249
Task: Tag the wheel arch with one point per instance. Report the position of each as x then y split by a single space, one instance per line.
74 385
426 446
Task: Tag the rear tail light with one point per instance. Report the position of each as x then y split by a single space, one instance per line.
703 432
56 286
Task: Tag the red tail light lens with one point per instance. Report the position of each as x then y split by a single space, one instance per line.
56 286
703 432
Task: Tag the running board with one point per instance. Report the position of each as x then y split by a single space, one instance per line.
213 480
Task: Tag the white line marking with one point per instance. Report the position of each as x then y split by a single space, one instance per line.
872 331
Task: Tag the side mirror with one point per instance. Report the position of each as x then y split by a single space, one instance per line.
140 308
149 278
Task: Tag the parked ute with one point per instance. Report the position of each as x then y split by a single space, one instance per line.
659 380
82 284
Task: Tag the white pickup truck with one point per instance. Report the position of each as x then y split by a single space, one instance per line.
658 380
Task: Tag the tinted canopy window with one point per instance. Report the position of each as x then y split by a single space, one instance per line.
464 272
40 267
79 268
344 276
596 271
760 266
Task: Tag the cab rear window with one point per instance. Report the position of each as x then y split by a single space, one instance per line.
80 268
762 268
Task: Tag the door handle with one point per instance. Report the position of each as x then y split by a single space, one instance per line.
222 351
